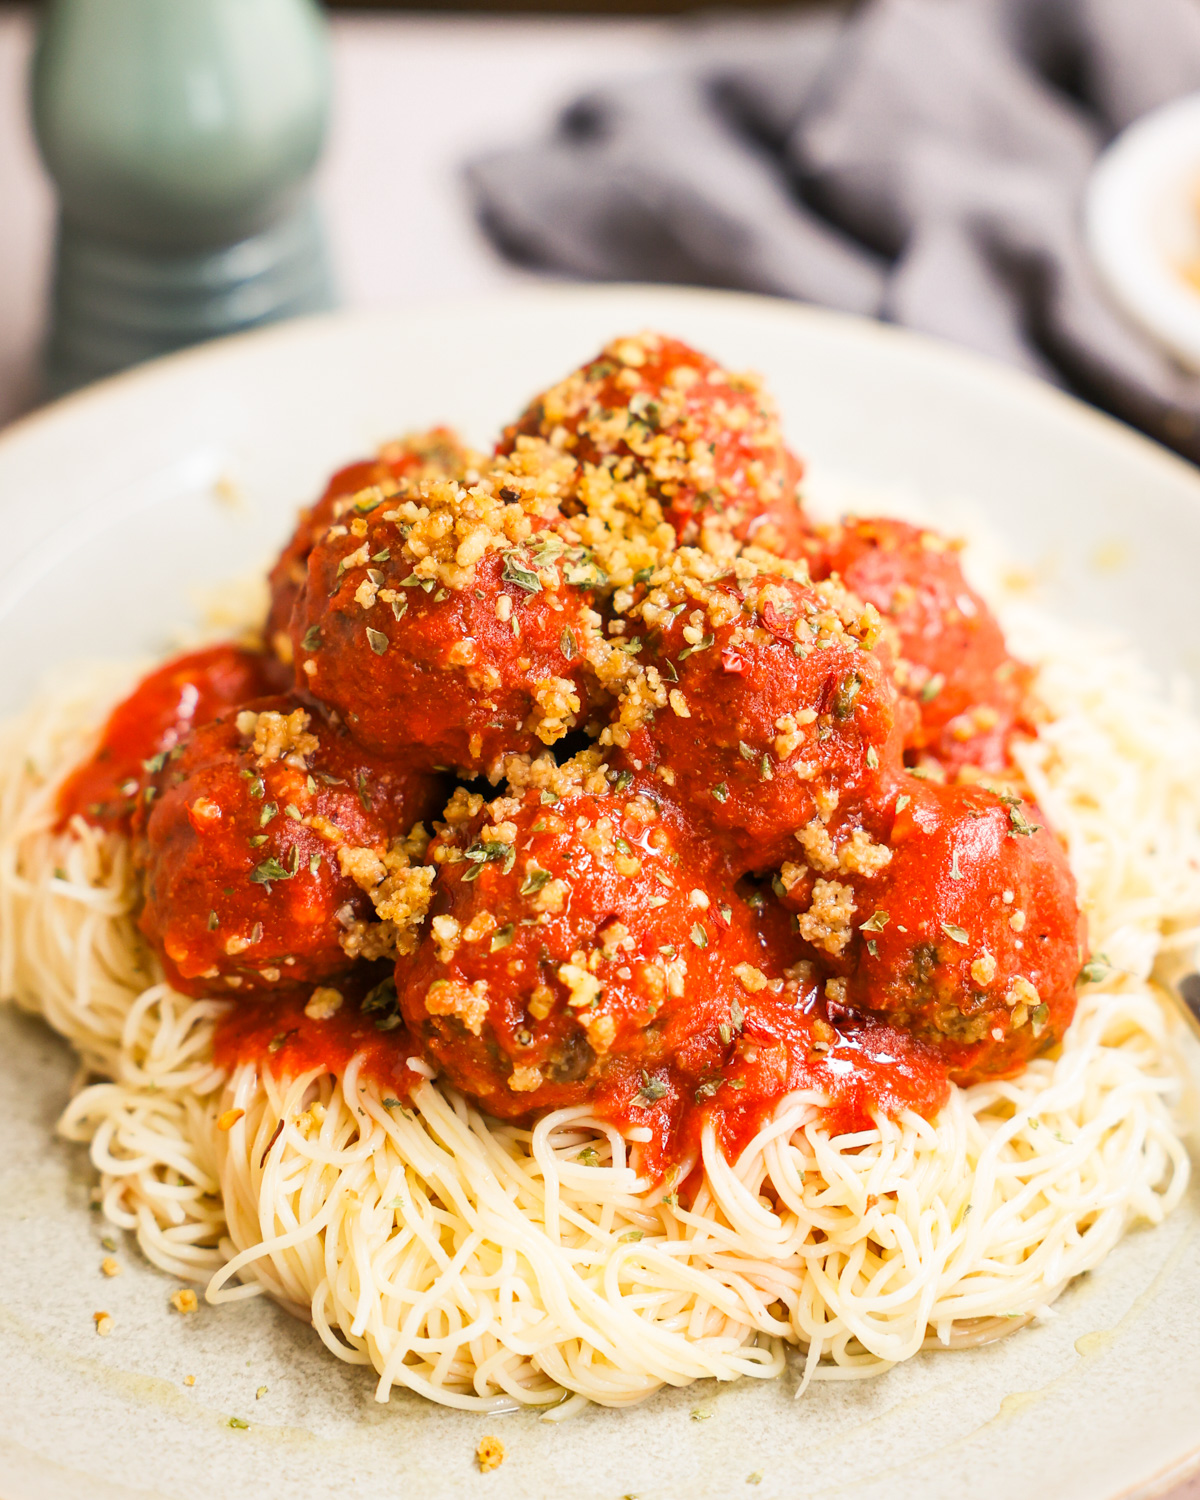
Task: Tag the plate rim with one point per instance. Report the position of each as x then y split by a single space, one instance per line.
1010 380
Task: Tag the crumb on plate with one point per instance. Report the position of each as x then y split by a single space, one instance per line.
490 1454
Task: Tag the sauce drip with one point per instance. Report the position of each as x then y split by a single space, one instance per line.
274 1032
867 1067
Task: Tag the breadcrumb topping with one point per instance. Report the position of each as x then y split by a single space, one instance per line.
277 736
827 922
324 1002
400 889
451 997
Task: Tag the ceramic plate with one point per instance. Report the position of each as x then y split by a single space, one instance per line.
117 505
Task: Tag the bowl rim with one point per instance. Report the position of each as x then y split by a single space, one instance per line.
1145 165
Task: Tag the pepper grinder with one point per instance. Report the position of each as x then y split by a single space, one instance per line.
182 136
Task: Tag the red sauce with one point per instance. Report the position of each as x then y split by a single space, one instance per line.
750 678
376 668
983 937
161 711
867 1068
427 455
274 1032
966 692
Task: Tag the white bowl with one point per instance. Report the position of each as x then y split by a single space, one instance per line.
1142 223
117 502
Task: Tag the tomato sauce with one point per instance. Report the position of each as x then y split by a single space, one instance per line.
165 706
866 1068
273 1031
243 856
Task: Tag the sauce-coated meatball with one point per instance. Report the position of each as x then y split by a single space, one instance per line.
257 839
772 708
454 627
954 665
421 456
160 712
570 935
702 444
970 937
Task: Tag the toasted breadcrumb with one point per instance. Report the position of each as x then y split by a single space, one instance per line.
400 892
826 923
277 736
753 979
184 1301
558 706
859 855
451 997
364 866
323 1003
582 988
447 525
1021 992
490 1454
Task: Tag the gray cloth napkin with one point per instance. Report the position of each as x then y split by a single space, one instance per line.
922 161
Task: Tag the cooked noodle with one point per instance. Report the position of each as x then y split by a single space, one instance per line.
482 1265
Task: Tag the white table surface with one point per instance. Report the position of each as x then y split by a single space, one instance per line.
414 96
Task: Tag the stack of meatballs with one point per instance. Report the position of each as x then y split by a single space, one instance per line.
599 773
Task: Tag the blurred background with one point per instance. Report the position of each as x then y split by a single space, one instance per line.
170 171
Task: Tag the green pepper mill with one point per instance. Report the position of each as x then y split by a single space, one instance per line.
182 136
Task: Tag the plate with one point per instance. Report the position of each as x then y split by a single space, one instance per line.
122 503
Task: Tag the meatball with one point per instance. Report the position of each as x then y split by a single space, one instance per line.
158 714
573 934
417 458
258 839
457 627
702 446
763 704
969 936
955 666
